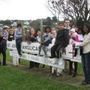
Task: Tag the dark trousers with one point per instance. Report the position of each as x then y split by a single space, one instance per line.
73 67
55 51
3 50
18 45
4 57
44 48
34 64
86 66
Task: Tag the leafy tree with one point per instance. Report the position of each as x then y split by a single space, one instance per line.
5 22
35 24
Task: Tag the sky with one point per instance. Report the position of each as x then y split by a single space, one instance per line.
24 9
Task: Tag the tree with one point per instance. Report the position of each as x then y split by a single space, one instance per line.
5 22
54 8
49 21
77 10
54 19
35 24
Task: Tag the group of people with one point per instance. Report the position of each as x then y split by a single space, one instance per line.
74 35
61 36
6 33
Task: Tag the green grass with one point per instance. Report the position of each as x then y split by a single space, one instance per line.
12 78
22 78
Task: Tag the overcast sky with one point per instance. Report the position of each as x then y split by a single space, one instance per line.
23 9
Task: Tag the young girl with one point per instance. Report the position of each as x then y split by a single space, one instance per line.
73 65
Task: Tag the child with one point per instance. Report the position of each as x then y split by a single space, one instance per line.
73 65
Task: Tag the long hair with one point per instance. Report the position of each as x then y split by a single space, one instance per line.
28 36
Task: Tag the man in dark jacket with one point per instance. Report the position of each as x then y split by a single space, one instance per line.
62 40
3 49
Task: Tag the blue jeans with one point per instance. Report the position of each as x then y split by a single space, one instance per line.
18 45
86 66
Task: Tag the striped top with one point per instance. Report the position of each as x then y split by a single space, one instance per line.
5 35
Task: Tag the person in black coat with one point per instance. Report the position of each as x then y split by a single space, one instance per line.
62 40
3 50
11 34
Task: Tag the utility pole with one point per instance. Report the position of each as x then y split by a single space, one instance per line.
41 25
41 29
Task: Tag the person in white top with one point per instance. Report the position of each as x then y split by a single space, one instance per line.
86 55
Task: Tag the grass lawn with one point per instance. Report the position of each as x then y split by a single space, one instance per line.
22 78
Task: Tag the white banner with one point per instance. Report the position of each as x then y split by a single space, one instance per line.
28 51
32 48
58 63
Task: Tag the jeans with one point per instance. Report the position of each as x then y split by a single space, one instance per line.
86 66
18 45
44 48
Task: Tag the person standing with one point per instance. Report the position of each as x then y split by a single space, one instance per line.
11 34
86 55
18 38
5 34
75 39
31 37
3 48
3 43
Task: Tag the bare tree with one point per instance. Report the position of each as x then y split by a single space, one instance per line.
56 7
73 9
